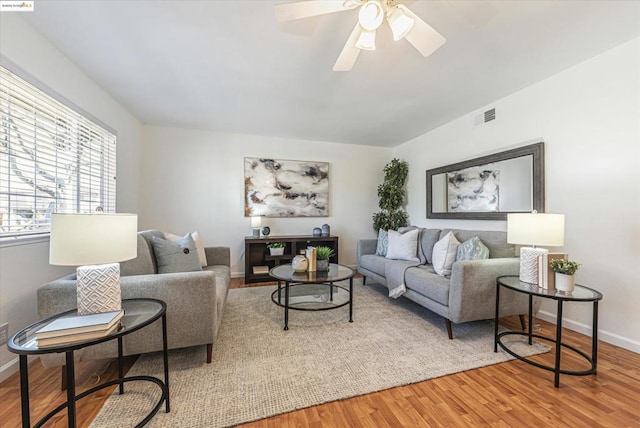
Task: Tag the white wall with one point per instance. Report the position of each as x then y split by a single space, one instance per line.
195 180
589 118
23 268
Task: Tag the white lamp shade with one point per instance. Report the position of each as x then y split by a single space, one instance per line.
92 239
256 222
367 40
535 229
371 15
400 23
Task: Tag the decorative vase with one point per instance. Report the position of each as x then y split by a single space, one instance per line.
565 282
300 263
326 230
317 231
322 265
276 251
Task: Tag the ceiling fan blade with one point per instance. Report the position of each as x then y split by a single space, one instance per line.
305 9
349 53
422 36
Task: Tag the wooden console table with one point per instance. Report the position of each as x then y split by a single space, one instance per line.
258 261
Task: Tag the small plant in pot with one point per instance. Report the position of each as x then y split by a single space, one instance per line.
276 248
565 274
323 254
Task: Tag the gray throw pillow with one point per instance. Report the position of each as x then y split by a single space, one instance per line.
403 246
472 249
383 243
181 256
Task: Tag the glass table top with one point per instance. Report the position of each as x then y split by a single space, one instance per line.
137 313
580 293
336 272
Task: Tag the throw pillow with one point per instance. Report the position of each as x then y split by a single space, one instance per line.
181 256
444 254
383 243
199 245
403 246
472 249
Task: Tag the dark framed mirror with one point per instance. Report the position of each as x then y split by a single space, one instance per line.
488 187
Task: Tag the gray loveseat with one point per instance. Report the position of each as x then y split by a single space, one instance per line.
468 294
195 302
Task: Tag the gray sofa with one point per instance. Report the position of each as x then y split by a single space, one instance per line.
468 294
195 302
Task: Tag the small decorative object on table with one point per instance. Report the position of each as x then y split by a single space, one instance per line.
565 274
300 263
323 254
311 257
276 248
266 231
326 230
317 231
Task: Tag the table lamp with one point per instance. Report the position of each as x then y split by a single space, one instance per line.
534 229
256 222
95 243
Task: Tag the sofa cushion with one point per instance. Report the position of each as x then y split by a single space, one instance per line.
181 256
145 262
494 240
444 254
424 280
373 263
403 246
383 243
172 237
428 239
472 249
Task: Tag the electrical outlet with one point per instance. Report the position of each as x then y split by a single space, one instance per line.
4 333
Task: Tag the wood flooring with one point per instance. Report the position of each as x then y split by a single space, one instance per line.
511 394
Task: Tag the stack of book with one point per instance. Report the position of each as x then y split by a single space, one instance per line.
546 276
78 328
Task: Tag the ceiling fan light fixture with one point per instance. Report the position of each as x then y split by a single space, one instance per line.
367 40
371 15
399 22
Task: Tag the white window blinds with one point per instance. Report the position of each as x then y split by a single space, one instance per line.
52 159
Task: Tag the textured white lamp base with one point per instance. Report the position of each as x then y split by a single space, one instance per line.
529 264
99 288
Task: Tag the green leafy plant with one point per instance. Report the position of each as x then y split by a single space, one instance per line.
564 266
392 197
324 253
276 245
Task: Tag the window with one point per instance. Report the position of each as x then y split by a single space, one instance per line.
52 159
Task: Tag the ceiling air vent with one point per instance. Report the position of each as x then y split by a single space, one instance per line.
482 118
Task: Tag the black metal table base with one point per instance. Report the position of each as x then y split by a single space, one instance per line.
72 398
288 284
557 341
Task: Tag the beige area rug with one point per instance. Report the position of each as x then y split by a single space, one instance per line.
259 370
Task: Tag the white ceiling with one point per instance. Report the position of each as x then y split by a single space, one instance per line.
229 66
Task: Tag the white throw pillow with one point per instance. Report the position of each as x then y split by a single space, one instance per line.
171 237
403 246
444 254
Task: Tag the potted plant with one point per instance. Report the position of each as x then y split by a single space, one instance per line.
323 254
276 248
565 273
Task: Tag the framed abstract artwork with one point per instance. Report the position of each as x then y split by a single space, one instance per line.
285 188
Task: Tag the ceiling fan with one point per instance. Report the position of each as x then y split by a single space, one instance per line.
403 22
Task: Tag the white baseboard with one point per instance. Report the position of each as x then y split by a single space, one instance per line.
9 368
605 336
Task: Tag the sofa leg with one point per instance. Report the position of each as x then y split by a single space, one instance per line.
209 352
364 280
448 323
522 322
63 383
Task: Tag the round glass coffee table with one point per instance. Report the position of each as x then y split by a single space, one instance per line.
312 291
